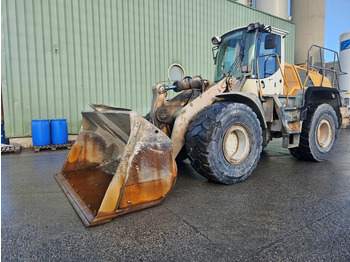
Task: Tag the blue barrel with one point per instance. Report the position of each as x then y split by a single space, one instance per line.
2 134
41 132
59 131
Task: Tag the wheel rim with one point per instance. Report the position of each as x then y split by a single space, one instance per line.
324 133
236 144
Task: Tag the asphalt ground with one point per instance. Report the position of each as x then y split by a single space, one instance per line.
287 210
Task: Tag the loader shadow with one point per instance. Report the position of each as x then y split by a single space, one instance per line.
271 152
186 172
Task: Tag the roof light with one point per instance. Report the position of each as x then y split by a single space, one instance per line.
216 40
250 27
256 25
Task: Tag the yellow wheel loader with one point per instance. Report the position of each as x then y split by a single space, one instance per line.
122 162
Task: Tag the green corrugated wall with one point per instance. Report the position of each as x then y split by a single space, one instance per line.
57 56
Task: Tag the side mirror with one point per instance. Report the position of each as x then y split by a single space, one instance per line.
270 41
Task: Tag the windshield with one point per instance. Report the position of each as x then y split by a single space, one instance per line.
236 50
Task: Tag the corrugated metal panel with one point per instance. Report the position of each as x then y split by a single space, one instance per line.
60 55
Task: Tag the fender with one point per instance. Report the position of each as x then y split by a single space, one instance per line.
248 99
321 95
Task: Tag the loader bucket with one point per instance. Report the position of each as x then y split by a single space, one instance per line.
119 163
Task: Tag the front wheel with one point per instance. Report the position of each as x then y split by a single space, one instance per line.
224 142
319 134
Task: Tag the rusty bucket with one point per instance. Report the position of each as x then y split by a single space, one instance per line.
119 163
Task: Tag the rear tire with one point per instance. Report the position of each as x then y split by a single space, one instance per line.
319 134
224 142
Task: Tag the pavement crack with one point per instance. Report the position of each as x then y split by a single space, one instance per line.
214 243
188 223
295 231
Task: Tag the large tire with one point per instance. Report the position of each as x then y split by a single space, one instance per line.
319 134
224 142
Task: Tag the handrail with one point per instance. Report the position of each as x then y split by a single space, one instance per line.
323 64
323 67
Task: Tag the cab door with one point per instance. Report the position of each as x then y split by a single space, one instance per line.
268 59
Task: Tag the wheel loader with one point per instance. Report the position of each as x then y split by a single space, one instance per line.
122 162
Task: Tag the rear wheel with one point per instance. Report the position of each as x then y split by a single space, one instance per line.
224 142
319 134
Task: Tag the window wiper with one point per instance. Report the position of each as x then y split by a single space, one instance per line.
236 63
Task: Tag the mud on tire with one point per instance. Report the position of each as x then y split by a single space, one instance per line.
319 134
224 141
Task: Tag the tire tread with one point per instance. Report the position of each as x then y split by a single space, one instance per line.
197 143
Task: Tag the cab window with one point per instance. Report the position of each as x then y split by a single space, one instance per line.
268 64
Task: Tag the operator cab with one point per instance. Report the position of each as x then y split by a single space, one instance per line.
251 53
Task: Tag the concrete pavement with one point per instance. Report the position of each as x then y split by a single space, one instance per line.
287 210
